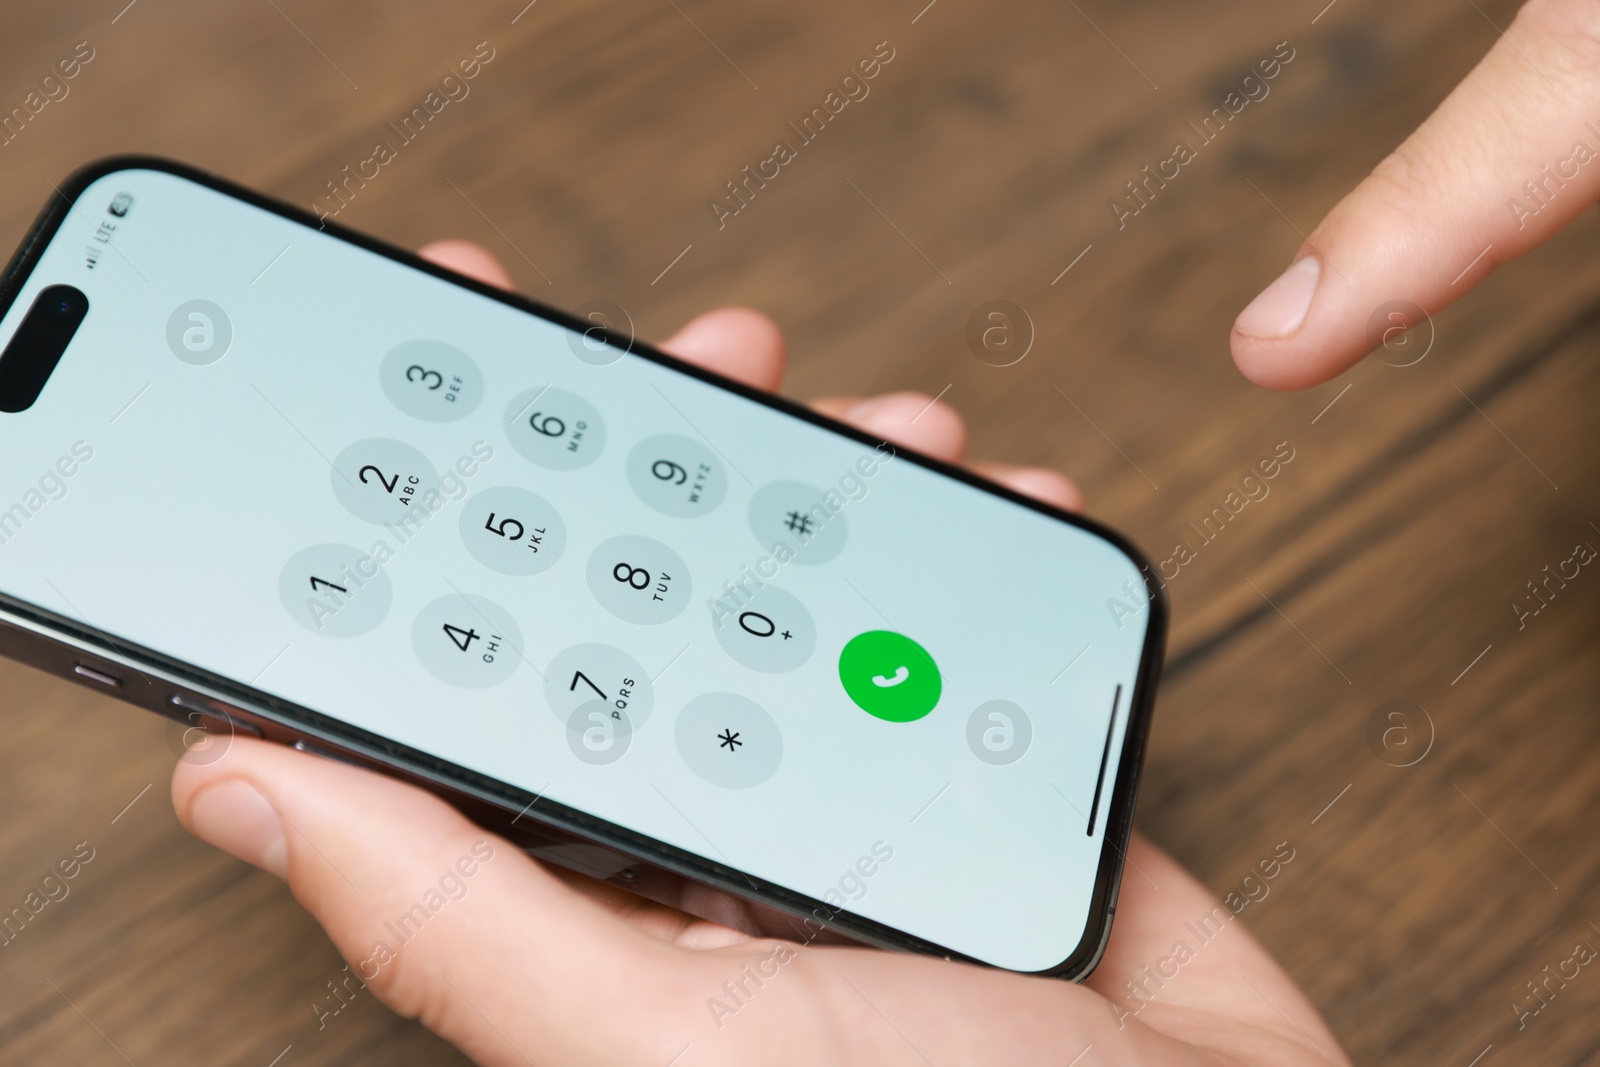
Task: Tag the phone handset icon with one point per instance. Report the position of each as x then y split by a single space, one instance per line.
900 674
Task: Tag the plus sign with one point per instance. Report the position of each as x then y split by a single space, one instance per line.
787 635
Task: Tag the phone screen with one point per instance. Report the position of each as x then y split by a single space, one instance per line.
300 464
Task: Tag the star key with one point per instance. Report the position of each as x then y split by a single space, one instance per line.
729 740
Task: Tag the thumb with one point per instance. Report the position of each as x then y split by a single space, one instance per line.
441 920
1509 158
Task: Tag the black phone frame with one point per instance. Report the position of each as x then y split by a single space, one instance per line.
170 686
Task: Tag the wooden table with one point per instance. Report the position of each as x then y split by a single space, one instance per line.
1381 567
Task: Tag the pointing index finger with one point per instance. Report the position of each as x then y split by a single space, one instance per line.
1509 158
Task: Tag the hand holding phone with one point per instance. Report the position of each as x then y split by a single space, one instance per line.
535 964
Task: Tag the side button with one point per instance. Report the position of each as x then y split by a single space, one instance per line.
211 717
98 676
328 754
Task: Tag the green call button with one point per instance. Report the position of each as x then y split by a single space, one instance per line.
890 676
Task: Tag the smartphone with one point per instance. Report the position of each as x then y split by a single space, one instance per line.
271 477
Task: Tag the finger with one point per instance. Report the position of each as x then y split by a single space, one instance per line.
423 905
464 257
1049 486
1510 157
837 407
1041 483
912 420
1176 950
888 1008
738 343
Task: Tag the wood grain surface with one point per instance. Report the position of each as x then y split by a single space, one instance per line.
1381 567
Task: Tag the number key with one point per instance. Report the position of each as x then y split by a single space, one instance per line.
585 674
677 476
431 380
381 480
513 531
639 579
555 428
469 641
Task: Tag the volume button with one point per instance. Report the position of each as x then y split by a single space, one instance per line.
214 717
